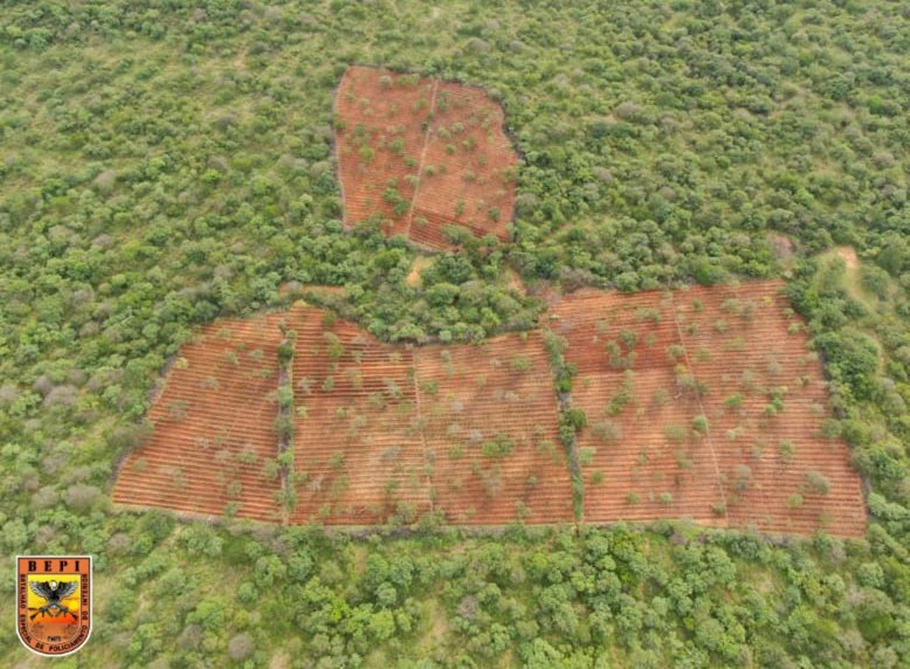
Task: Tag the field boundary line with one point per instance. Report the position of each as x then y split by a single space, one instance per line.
423 156
701 407
422 427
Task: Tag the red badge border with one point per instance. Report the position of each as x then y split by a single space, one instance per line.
91 601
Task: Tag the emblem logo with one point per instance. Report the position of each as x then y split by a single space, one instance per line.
54 594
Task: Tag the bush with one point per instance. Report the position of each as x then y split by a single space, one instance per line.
607 431
816 483
851 358
81 497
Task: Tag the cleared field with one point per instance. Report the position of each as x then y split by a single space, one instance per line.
359 455
381 431
704 404
707 404
213 450
390 431
423 154
489 417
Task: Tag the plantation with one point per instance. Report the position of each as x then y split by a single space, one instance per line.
704 404
213 427
373 433
421 155
545 404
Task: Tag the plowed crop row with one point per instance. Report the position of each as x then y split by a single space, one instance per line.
380 430
423 154
707 404
385 430
489 418
213 427
358 456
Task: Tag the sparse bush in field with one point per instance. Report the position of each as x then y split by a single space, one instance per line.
666 498
731 305
647 314
522 510
177 410
498 447
734 401
520 364
586 455
675 433
597 477
336 461
816 483
687 382
607 431
774 407
633 498
742 477
794 501
682 460
735 344
747 380
787 449
491 480
270 469
629 338
700 425
676 352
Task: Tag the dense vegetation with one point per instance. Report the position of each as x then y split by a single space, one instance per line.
164 162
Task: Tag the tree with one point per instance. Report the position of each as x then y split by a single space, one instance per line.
241 647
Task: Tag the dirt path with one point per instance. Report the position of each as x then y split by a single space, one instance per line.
848 255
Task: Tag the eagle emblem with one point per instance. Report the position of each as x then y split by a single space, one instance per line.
54 596
52 592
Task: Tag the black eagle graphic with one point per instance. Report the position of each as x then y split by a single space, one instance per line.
52 592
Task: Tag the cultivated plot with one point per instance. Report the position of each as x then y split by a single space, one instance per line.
213 450
708 404
359 454
423 154
489 418
704 404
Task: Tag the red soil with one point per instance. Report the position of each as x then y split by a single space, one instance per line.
380 430
490 419
359 456
213 426
749 469
471 432
411 424
439 145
